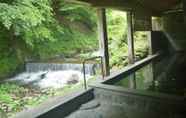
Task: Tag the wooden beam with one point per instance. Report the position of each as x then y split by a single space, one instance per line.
154 7
158 5
103 38
78 2
110 3
131 55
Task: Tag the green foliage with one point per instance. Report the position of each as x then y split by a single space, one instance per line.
79 13
29 29
141 45
77 36
25 16
65 47
116 26
8 65
8 59
117 38
9 97
14 98
33 29
117 32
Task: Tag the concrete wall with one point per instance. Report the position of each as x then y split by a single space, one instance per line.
174 29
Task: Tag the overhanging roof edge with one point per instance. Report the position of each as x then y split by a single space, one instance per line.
78 2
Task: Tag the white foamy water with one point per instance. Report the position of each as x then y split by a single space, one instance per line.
49 79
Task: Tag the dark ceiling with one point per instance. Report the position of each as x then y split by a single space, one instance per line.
156 6
160 5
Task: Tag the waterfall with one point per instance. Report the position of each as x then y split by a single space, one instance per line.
36 67
52 75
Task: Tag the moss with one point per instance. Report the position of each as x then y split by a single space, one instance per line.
9 65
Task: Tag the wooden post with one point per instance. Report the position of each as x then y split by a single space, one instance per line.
149 38
103 39
131 56
184 10
151 67
130 37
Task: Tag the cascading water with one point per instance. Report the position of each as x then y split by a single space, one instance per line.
35 67
45 75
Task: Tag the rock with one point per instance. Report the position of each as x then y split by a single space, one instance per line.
73 79
43 75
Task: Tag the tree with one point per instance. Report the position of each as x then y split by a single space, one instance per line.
27 18
43 29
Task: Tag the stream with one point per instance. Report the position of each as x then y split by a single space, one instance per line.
54 76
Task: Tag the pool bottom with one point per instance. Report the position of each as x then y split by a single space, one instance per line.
116 102
108 110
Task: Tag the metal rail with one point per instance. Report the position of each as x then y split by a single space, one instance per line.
84 70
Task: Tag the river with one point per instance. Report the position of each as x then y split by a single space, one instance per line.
51 75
